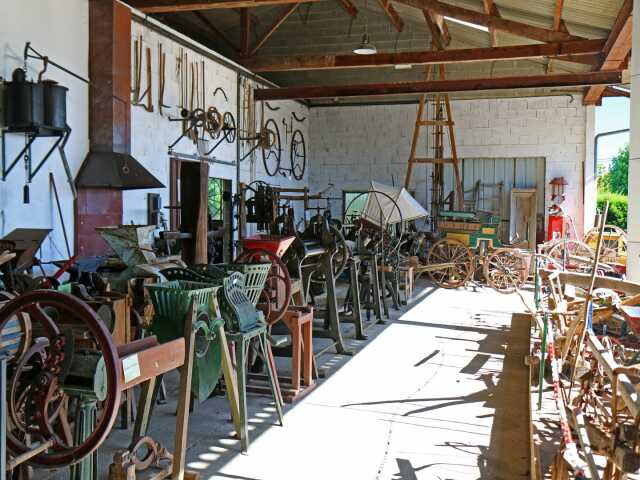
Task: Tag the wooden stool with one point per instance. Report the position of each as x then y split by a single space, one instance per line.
406 283
299 321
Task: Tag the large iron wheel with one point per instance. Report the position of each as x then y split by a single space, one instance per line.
457 263
277 288
505 270
229 127
298 155
271 147
46 420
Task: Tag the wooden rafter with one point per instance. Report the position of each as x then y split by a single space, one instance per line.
490 8
465 85
616 49
558 25
586 51
288 10
245 32
392 14
166 6
557 15
349 7
212 28
440 36
490 21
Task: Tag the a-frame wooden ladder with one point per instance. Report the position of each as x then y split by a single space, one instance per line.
442 119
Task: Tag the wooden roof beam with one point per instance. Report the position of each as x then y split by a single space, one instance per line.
392 14
442 86
245 32
558 25
276 24
616 49
490 8
584 51
349 7
490 21
557 15
212 28
440 36
167 6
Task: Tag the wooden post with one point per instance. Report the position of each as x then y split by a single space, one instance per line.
182 416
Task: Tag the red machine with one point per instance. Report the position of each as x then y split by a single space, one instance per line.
557 225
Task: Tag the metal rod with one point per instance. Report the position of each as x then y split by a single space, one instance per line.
64 228
39 56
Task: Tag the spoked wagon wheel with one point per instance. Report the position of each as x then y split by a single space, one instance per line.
505 270
37 398
456 260
298 155
270 146
573 254
277 289
229 127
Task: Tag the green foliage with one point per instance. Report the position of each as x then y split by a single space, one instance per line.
603 179
619 172
617 214
215 198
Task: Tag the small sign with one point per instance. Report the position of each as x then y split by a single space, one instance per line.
131 368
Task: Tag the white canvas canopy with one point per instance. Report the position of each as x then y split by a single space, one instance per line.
380 205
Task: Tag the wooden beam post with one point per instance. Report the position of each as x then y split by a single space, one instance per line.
274 26
583 51
490 21
616 50
465 85
245 32
391 13
168 6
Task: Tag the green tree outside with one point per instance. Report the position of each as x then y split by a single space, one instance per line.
613 186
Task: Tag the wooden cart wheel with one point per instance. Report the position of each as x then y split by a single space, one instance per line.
572 253
612 249
459 259
505 270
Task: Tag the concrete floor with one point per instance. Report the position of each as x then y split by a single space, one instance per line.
440 392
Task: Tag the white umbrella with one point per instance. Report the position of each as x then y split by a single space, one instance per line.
380 206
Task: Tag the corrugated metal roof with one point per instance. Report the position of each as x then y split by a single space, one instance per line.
325 27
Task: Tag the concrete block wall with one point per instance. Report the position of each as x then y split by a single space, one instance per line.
350 146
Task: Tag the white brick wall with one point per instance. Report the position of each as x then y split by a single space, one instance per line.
152 133
353 145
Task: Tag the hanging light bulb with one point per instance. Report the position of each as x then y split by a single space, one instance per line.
365 47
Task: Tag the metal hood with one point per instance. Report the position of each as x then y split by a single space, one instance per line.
119 171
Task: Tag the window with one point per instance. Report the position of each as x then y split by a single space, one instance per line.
354 201
215 198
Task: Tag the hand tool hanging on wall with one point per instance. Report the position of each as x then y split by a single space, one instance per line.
162 61
148 93
137 69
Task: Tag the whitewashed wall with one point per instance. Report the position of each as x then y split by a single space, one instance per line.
353 145
60 30
153 133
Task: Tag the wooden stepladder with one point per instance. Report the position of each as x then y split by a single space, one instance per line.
441 120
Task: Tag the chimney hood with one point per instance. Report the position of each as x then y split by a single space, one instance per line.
119 171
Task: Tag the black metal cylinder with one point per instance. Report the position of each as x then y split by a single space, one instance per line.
55 105
23 103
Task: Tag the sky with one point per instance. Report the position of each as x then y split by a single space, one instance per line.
612 115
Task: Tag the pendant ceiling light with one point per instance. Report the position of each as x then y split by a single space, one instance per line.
365 47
